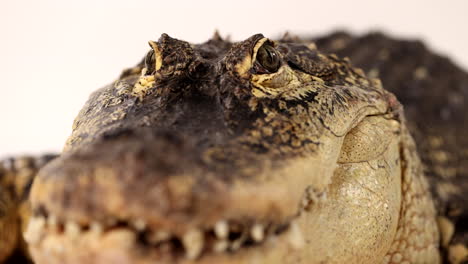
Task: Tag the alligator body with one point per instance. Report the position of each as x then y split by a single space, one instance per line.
259 151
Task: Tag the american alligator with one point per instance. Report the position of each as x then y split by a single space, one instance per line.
260 151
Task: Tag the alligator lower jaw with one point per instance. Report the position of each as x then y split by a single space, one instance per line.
53 242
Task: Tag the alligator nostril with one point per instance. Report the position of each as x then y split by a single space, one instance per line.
117 133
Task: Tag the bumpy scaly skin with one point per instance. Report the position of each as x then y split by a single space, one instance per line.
433 91
205 154
16 175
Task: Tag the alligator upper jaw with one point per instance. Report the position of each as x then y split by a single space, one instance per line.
146 191
126 245
245 219
236 240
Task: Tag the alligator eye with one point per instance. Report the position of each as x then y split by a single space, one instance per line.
268 58
150 62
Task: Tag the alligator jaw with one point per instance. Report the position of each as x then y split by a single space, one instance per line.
87 199
225 241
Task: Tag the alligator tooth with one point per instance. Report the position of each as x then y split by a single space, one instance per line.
96 228
111 222
257 232
139 224
156 237
323 197
52 223
220 246
35 228
221 229
295 236
238 243
193 243
72 229
121 236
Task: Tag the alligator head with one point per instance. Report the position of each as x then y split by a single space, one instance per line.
258 151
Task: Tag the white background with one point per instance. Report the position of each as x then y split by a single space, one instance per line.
54 53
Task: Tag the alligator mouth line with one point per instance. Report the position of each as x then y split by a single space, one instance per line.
226 236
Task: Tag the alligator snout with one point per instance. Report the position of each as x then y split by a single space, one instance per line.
159 187
100 181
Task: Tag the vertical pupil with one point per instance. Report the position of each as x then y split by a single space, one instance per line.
271 55
268 56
